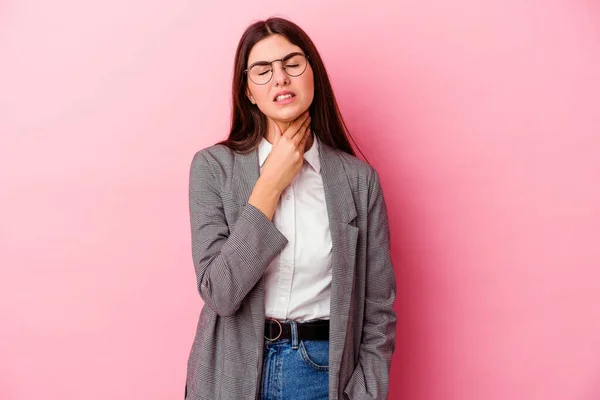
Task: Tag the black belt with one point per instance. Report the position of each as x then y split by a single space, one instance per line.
313 330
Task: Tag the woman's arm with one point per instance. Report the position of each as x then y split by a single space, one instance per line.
227 263
371 376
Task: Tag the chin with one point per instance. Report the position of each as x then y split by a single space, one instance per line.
288 115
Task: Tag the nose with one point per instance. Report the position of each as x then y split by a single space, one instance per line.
280 77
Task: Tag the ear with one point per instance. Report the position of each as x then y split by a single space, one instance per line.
250 97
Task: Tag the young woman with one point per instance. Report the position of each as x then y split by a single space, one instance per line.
290 240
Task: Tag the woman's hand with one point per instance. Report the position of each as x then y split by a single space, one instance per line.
282 165
287 155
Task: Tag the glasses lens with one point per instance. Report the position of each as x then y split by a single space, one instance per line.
260 74
295 65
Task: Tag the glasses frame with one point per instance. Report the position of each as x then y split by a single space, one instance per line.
296 53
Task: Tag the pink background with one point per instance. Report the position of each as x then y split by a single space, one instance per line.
481 117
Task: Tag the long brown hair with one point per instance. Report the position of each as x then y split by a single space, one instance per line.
249 124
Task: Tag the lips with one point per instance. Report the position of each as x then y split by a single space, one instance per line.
286 93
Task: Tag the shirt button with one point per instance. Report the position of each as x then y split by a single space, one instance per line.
287 197
282 299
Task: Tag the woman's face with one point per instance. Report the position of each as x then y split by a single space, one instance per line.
283 98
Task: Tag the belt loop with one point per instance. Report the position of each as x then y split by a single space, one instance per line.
294 329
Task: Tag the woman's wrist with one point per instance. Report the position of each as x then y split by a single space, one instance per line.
265 197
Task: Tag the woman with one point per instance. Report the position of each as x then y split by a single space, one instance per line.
290 239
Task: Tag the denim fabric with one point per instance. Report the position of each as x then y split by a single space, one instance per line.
294 369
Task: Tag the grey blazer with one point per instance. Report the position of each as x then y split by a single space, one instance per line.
233 243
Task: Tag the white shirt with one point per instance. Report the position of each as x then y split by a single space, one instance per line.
298 280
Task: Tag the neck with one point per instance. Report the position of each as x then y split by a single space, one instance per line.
283 126
272 133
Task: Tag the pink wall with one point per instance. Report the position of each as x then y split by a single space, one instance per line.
482 118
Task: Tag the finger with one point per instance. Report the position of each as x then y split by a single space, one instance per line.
302 132
304 141
302 144
295 127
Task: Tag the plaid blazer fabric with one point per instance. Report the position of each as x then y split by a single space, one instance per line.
233 243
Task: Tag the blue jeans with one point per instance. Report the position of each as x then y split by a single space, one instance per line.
295 369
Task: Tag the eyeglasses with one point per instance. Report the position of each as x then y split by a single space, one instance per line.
261 72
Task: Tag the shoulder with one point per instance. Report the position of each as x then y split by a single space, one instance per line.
355 165
361 175
217 158
215 154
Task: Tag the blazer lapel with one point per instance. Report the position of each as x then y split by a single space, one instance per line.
344 236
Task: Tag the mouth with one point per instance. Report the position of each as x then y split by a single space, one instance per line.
284 96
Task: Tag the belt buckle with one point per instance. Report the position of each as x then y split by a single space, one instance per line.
280 330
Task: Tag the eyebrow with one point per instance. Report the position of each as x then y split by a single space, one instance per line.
277 59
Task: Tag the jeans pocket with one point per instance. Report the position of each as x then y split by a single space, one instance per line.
315 353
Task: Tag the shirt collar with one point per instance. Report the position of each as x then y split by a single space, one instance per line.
311 155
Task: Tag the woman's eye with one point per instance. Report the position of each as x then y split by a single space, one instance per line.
260 70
